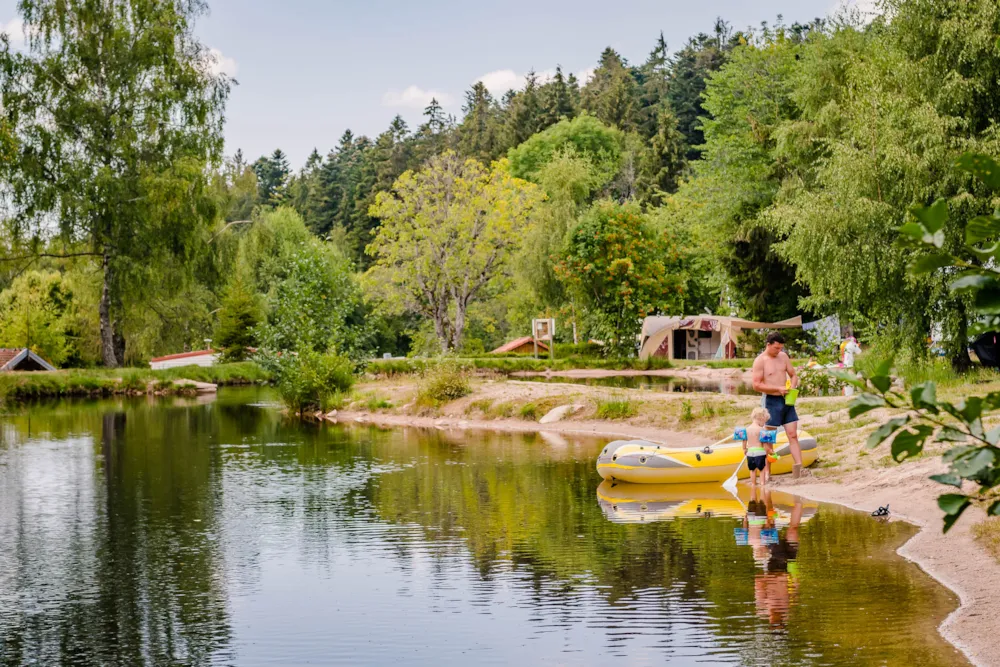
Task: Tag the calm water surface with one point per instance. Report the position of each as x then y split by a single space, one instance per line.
217 533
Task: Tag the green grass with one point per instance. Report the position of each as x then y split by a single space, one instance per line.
511 364
529 411
686 411
373 402
617 408
107 381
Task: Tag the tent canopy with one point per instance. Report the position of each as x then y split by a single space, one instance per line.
655 330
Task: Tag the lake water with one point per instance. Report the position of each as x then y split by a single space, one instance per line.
730 386
201 532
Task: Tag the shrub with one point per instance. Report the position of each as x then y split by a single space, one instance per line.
819 382
686 411
309 380
617 408
443 383
529 411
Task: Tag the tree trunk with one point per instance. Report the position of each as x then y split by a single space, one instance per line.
107 328
458 327
958 343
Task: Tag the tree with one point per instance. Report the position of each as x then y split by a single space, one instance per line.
239 316
116 114
523 116
663 162
272 178
620 271
447 235
32 314
556 101
691 68
585 135
612 95
479 133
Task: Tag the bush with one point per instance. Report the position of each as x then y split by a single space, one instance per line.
617 408
310 381
529 411
819 382
443 383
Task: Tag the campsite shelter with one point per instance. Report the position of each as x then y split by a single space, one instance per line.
22 359
521 346
700 336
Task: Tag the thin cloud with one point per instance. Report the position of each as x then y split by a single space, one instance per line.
221 64
14 29
500 81
415 97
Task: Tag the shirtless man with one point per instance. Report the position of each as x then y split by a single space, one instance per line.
769 372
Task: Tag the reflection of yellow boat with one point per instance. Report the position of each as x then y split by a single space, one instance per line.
642 462
635 503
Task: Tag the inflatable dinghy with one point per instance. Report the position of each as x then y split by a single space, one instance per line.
643 462
622 502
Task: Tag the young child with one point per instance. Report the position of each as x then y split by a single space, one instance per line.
758 444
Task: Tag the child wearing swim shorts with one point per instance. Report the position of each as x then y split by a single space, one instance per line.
758 444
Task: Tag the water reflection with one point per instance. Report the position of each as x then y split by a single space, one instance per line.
143 533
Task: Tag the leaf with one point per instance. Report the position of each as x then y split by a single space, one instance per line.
932 217
913 230
994 509
956 452
952 504
885 367
910 443
882 382
970 466
864 403
982 167
885 430
993 435
930 263
972 281
981 228
949 434
850 378
950 479
924 396
988 300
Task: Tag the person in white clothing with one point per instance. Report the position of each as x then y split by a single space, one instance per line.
851 350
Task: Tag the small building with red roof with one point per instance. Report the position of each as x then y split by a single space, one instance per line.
521 346
22 359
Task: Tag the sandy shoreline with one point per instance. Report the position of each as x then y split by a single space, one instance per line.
955 560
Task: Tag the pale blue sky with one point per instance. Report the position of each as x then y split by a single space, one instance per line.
309 69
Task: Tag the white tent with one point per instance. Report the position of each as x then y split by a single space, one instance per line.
705 337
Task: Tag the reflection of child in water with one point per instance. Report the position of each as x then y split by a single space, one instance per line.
776 587
758 444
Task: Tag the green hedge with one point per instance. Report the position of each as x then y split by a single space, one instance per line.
501 364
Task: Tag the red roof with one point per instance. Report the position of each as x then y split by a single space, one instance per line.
6 354
183 355
514 344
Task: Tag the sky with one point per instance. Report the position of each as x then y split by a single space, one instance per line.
307 70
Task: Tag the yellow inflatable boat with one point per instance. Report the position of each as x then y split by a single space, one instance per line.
642 503
642 462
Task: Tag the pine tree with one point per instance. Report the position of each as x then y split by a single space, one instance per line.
478 133
655 86
272 178
556 101
663 162
613 94
523 116
238 318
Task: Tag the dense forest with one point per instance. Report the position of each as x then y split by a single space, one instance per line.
761 172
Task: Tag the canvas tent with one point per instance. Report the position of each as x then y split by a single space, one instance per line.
700 336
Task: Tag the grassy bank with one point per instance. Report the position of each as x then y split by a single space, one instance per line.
505 364
107 382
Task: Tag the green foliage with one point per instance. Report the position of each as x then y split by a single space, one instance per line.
818 382
443 383
974 453
239 315
617 408
117 114
619 270
32 314
309 380
446 240
584 135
